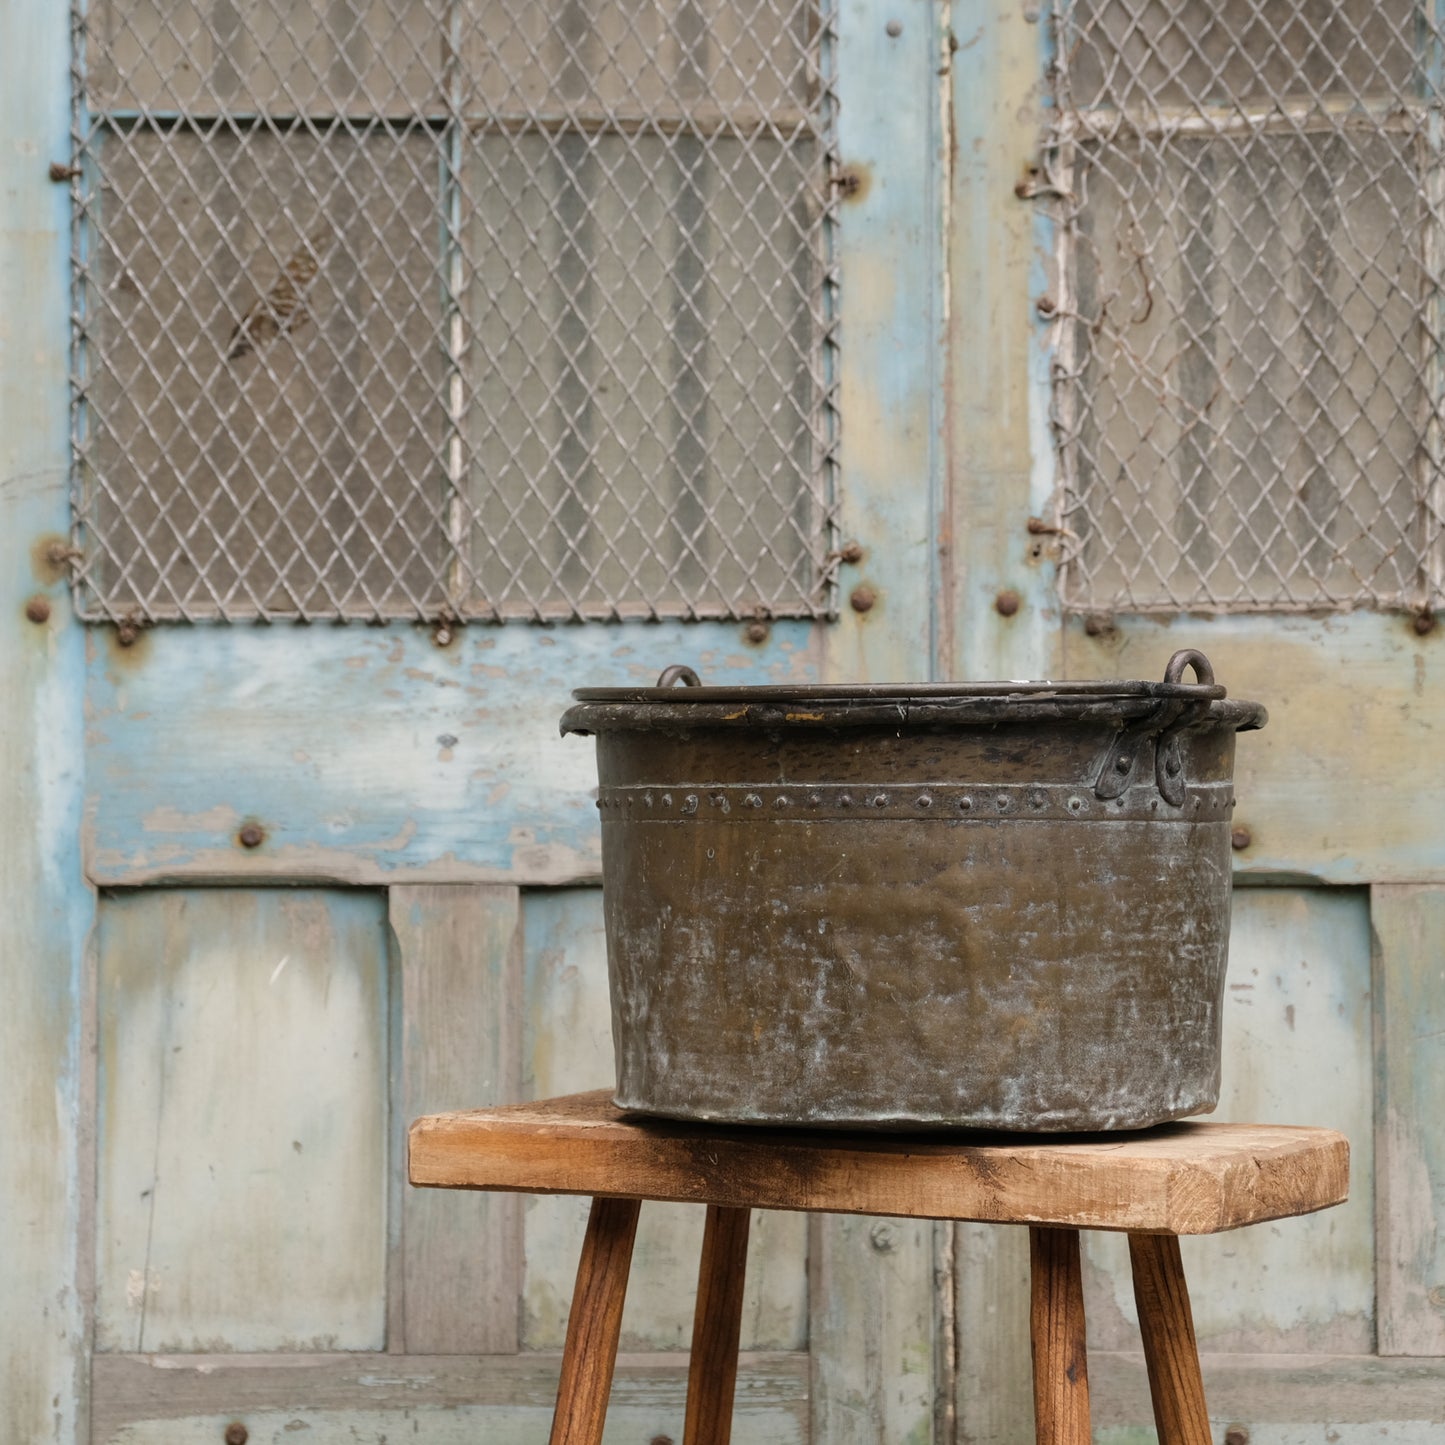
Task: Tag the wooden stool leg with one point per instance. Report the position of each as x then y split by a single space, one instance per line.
1170 1349
717 1323
594 1323
1056 1324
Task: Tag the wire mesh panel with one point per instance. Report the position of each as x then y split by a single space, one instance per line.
453 308
1248 375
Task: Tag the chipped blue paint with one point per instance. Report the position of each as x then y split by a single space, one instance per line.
369 755
45 905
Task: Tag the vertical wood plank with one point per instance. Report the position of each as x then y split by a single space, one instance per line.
241 1120
1409 993
717 1321
1058 1338
45 904
995 1391
460 967
875 1328
594 1322
1170 1349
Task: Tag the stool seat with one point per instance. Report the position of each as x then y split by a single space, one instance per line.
1190 1178
1186 1178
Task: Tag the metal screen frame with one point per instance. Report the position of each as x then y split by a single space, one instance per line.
1101 145
454 592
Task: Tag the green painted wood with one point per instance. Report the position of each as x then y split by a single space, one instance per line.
44 904
459 957
241 1120
1297 1049
568 1047
430 1400
1409 924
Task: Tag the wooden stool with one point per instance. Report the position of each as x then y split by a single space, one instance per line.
1195 1178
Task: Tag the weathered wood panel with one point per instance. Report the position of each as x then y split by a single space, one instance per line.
368 755
1296 1049
242 1118
1340 785
460 962
45 908
569 1047
446 1400
1284 1399
994 1394
876 1330
1409 926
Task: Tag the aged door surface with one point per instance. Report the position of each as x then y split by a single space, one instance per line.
373 374
1207 415
412 363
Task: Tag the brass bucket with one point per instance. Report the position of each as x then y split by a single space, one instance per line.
995 905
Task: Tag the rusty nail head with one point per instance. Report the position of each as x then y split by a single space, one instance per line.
38 609
863 599
126 633
851 552
1240 839
1007 603
1046 306
252 835
1424 622
894 28
1096 624
237 1433
59 171
1236 1435
849 183
756 631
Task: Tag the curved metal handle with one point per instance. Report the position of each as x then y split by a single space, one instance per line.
671 676
1189 657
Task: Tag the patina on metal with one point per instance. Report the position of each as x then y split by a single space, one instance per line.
988 905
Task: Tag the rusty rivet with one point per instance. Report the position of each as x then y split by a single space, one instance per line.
1007 603
1236 1435
1046 306
894 28
126 633
1240 839
851 552
59 171
1098 624
863 599
1423 622
252 835
237 1433
38 609
756 631
849 182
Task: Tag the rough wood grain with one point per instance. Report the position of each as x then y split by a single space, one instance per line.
1409 996
1170 1349
45 906
497 1399
242 1110
875 1325
1180 1179
460 963
717 1324
595 1323
994 1391
1057 1335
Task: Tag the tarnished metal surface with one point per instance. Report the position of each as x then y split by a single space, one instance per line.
957 912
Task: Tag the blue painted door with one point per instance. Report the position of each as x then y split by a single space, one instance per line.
297 600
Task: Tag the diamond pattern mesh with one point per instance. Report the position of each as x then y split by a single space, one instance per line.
1248 375
453 308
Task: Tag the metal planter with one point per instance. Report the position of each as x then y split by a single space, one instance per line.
996 905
